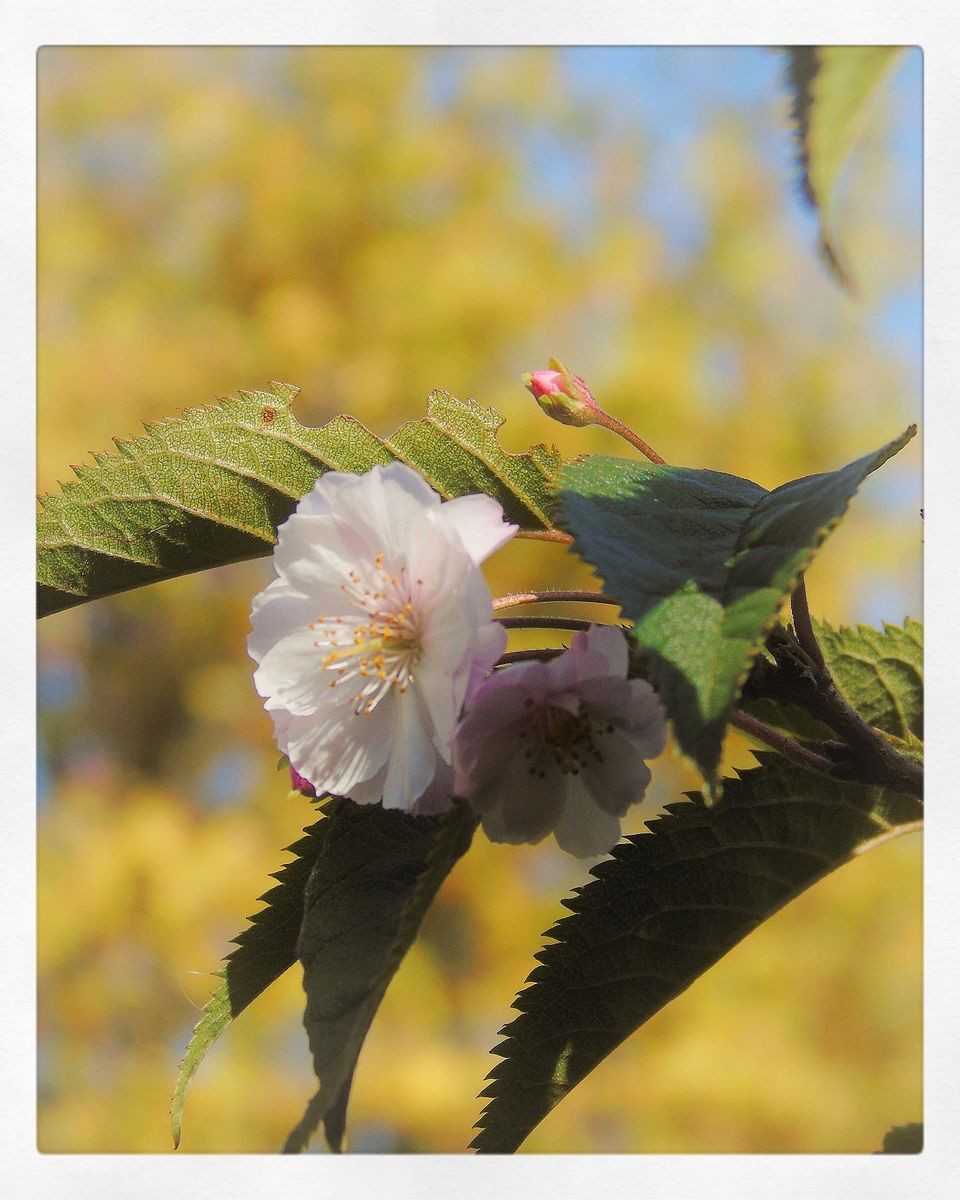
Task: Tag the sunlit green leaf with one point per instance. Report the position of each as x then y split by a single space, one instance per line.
831 88
211 487
376 876
265 949
879 672
666 907
701 562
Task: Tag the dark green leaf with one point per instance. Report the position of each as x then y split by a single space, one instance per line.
701 562
211 487
903 1139
264 951
831 89
666 907
372 884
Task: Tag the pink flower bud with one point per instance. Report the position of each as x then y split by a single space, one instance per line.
299 784
561 395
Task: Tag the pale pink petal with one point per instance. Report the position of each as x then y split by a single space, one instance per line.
621 776
634 707
584 829
438 797
527 807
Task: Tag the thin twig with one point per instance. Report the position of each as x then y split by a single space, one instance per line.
545 535
570 623
550 596
804 626
621 430
786 746
513 656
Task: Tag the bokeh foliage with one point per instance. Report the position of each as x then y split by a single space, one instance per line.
370 224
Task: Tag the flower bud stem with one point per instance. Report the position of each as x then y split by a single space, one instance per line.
513 656
621 430
551 596
546 535
544 623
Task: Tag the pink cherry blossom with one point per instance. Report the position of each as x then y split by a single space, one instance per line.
559 746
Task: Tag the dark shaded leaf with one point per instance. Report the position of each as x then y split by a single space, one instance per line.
661 911
373 882
702 562
264 951
903 1139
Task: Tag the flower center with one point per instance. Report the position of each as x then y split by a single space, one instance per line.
572 739
381 646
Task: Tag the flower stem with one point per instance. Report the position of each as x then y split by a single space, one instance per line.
786 746
804 626
513 656
550 596
546 535
602 418
544 623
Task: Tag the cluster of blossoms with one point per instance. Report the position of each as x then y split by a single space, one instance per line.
375 649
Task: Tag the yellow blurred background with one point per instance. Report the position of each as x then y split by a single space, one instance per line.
370 224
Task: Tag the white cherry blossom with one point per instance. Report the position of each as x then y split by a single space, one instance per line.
559 746
376 629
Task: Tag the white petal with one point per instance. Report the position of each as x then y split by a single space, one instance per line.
584 829
478 522
317 554
413 759
291 674
278 610
336 752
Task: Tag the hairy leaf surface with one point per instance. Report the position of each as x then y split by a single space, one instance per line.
831 89
880 673
265 949
376 875
211 487
663 909
702 562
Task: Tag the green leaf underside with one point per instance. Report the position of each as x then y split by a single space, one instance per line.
376 876
831 89
903 1139
265 950
701 562
880 673
211 487
663 909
